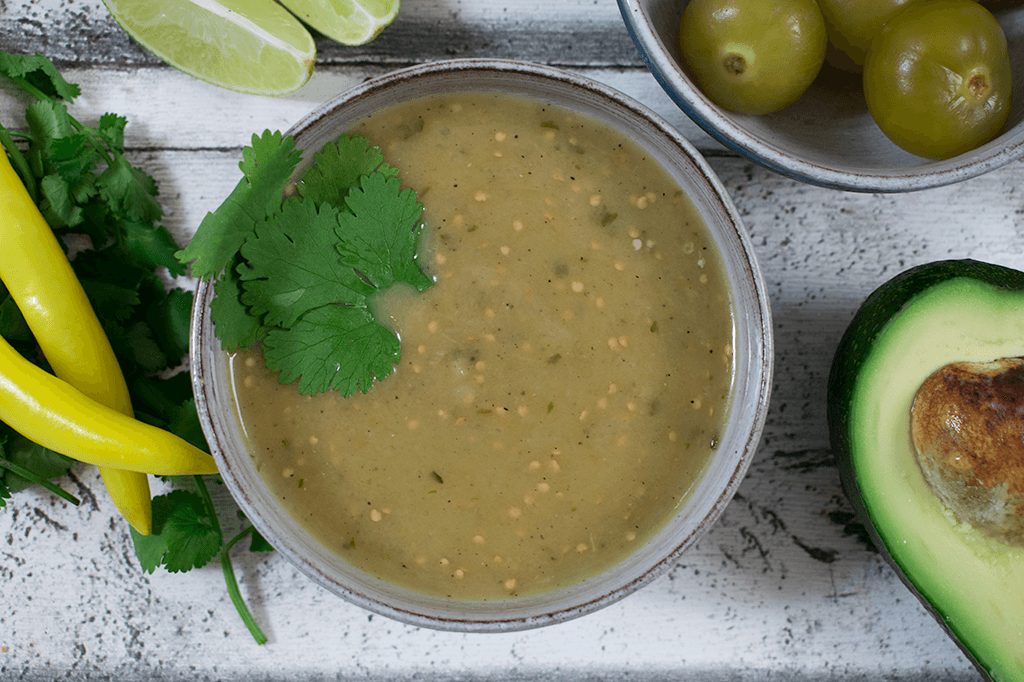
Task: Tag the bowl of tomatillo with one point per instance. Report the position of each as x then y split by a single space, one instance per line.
886 96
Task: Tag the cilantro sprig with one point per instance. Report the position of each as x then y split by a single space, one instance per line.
298 273
89 192
187 534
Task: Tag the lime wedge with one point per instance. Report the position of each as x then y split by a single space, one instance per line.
350 22
251 46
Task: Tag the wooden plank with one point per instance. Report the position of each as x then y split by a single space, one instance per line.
168 110
567 32
582 35
781 587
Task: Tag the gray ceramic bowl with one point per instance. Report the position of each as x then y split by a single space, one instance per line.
753 353
828 137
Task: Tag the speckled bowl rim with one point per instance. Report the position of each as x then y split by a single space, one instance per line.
1001 151
754 355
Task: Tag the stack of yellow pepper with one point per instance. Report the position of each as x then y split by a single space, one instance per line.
84 412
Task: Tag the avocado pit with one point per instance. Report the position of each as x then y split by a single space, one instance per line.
967 425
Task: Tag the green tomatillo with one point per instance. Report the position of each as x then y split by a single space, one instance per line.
937 78
753 56
851 25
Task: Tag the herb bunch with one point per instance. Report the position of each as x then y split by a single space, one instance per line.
95 200
297 273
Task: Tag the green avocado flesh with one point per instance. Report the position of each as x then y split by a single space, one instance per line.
914 324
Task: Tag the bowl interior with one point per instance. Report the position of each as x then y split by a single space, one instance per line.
752 343
828 137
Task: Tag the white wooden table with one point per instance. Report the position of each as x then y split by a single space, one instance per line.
782 588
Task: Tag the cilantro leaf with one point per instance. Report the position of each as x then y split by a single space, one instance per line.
333 347
81 181
73 158
135 347
98 224
39 73
295 267
58 206
184 534
43 462
111 265
168 403
159 397
185 424
129 192
13 326
152 246
48 121
380 237
338 166
258 543
232 323
110 300
19 162
169 317
298 273
266 166
111 129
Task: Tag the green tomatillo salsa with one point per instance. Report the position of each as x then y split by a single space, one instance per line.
562 385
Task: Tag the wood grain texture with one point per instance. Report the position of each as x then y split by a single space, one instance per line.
225 120
567 32
783 587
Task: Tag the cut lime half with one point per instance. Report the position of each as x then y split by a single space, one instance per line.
251 46
350 22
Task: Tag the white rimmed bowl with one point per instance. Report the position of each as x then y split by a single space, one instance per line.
828 137
753 354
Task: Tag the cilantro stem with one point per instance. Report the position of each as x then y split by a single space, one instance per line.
25 473
18 162
94 139
236 595
229 571
204 493
30 89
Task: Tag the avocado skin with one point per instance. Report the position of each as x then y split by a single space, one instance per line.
871 318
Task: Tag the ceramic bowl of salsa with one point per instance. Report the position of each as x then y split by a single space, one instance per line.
827 137
579 393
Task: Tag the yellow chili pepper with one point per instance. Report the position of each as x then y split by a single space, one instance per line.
39 277
53 413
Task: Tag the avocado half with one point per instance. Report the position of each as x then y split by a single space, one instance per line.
912 325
